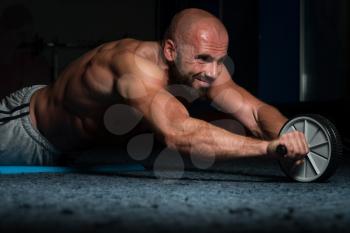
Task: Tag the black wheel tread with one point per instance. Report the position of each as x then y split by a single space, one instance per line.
336 145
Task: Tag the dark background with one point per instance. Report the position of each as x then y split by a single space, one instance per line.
293 54
39 38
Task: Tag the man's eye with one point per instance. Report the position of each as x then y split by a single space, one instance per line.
203 58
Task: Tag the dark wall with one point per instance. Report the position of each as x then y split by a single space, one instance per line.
279 51
264 40
27 26
242 21
327 50
82 25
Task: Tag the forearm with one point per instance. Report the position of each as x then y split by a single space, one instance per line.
269 121
203 139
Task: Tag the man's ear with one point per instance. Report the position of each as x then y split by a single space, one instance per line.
169 50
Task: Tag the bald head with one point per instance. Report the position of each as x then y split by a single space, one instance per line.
194 48
191 25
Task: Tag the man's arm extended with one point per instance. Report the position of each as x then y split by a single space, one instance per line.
262 119
270 121
171 121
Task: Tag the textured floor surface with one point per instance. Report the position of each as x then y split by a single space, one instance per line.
247 196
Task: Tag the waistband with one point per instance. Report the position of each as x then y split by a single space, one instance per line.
27 125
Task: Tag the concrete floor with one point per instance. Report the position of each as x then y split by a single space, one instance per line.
243 196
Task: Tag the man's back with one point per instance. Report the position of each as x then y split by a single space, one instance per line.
69 113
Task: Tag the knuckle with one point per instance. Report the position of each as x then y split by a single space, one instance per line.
291 151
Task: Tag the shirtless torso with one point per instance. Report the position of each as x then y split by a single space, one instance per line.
69 113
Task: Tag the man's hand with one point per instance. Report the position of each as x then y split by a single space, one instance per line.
296 145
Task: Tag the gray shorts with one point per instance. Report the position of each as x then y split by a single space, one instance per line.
20 142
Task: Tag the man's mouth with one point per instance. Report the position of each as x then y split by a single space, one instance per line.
203 80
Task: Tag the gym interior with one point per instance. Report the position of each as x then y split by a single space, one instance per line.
292 54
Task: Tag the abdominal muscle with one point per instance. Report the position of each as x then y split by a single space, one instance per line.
64 128
70 112
71 130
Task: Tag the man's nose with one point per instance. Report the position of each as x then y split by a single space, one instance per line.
212 70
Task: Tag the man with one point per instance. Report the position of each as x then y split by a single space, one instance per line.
38 123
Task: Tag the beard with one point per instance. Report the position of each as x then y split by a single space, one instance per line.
177 76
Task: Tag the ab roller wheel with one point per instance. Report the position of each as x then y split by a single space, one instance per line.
325 149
